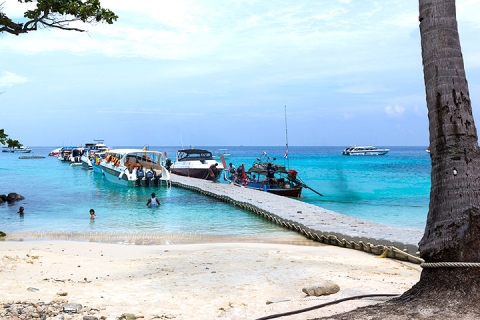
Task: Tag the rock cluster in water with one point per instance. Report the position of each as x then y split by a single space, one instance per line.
11 197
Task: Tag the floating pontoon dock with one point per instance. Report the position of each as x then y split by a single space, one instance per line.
314 222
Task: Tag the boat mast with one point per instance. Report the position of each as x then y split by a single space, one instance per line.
285 155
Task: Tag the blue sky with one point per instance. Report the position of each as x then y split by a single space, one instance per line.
220 73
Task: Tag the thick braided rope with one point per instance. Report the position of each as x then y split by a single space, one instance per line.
450 265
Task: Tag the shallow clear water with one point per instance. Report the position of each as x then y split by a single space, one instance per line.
391 190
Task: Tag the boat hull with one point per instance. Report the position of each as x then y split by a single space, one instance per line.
10 150
195 173
365 151
293 192
195 163
371 153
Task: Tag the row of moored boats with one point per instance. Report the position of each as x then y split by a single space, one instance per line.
144 167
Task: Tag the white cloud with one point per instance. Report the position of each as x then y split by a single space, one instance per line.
9 79
363 88
395 111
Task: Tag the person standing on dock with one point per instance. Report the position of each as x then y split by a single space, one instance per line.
213 172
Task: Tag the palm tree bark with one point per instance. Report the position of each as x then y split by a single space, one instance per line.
452 232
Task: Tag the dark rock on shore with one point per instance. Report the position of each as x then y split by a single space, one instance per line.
2 234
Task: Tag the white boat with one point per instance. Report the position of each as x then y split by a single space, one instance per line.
55 152
221 153
122 165
65 154
365 151
21 149
92 152
195 163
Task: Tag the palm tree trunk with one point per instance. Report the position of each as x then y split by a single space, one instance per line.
452 231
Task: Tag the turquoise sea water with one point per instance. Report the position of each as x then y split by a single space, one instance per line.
391 190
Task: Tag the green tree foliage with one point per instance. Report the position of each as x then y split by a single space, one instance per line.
57 14
3 136
4 139
13 143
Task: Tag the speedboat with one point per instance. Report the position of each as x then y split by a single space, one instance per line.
91 153
221 153
65 154
195 163
21 149
365 151
55 152
284 184
122 166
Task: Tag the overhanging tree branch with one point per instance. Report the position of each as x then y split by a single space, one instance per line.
57 14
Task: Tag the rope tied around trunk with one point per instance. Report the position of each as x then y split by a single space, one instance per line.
450 265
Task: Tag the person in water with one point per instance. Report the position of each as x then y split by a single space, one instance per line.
20 211
92 214
153 201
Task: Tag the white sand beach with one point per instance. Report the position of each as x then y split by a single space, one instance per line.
194 281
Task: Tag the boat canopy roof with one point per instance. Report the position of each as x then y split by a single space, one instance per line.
126 151
194 154
261 168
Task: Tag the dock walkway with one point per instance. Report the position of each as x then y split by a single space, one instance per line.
314 222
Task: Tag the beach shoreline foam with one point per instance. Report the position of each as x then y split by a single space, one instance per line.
211 280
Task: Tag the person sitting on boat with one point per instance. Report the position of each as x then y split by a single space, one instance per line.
153 201
232 170
253 179
140 175
270 175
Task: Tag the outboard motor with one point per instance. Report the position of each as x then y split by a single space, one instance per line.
149 175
